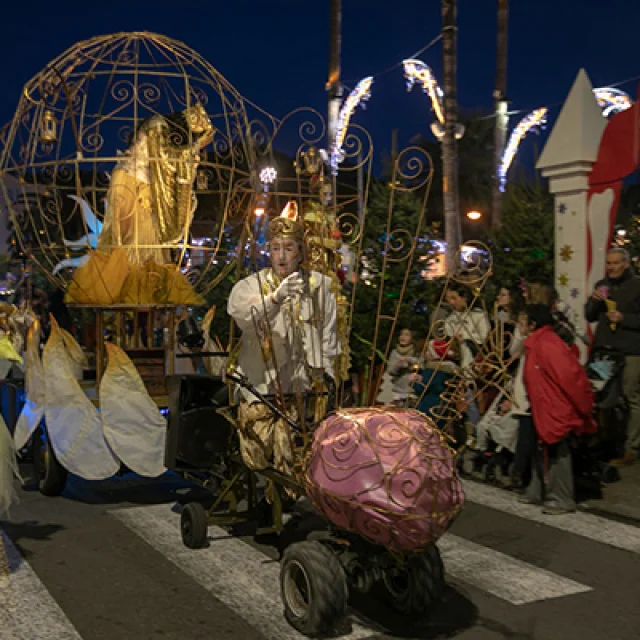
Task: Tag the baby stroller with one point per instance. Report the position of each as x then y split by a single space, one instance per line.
604 369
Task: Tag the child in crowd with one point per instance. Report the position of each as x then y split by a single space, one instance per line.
467 324
403 361
468 327
430 383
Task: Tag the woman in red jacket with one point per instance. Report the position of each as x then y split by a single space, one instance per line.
561 404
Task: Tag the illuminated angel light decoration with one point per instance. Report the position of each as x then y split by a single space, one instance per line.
609 99
612 100
416 71
531 122
358 96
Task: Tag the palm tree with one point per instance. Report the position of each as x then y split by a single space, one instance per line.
334 86
502 118
452 226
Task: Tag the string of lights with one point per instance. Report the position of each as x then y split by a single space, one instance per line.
610 99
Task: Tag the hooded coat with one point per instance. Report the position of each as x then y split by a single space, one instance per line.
559 391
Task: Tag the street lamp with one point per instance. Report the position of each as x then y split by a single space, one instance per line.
474 215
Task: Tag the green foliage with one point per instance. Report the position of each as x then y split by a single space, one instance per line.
523 246
475 167
419 293
630 211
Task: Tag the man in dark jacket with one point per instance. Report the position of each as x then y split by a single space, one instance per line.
615 306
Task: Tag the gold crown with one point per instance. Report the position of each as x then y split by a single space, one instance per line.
197 118
286 228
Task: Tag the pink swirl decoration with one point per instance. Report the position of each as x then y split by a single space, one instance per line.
386 474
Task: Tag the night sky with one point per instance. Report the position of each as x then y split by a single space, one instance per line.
275 52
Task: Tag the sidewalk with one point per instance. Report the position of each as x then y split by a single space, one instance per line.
620 499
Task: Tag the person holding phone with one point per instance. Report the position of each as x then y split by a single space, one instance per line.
615 305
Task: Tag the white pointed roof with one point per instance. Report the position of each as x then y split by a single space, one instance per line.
576 135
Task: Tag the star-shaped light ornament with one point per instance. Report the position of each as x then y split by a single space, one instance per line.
563 280
575 292
562 207
566 253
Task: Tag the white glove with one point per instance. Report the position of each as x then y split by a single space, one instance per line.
292 285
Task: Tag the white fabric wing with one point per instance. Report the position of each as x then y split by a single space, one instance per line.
8 469
132 423
35 390
73 423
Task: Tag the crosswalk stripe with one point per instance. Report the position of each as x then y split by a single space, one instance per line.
27 610
241 577
501 575
614 534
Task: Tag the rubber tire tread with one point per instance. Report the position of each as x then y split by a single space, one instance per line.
196 513
55 475
327 584
427 583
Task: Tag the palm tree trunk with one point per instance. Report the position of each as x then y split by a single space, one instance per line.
334 86
502 118
452 226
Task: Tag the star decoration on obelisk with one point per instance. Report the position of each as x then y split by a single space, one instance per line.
566 253
563 280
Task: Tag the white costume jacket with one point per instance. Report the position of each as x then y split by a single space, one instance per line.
470 324
288 340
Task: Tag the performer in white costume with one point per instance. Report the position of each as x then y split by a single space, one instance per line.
288 323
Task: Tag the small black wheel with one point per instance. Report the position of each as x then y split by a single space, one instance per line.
313 587
50 474
193 526
413 587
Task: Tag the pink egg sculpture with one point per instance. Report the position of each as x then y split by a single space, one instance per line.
387 474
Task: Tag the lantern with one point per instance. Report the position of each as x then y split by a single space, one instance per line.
48 127
312 161
202 182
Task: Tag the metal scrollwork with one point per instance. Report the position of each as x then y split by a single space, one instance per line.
98 92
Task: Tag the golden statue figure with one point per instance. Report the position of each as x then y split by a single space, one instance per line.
150 202
150 206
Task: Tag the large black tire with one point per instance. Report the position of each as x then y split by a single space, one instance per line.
50 474
193 526
412 588
313 587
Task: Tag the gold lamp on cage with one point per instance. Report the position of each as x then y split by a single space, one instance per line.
202 182
312 161
48 127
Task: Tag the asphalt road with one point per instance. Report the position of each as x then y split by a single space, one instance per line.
105 562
